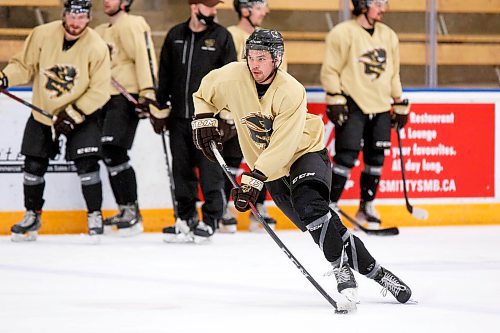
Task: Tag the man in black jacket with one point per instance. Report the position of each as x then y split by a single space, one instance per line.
190 51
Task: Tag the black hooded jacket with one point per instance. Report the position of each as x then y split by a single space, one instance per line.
186 57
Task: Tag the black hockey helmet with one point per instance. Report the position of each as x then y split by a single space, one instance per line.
238 4
267 40
77 6
360 5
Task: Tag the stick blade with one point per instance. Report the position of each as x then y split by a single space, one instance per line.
393 231
419 213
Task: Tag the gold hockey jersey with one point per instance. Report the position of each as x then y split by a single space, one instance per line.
361 65
273 131
126 39
79 75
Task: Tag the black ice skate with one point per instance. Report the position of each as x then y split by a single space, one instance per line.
130 221
228 223
181 231
367 214
95 224
346 283
27 229
255 225
391 282
202 232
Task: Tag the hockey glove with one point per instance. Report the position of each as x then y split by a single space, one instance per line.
205 129
158 115
4 81
251 185
399 115
227 129
337 112
67 120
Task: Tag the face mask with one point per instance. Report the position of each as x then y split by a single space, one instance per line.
206 20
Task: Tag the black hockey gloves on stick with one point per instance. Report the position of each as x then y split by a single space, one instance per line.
337 110
399 114
205 130
248 193
418 213
339 308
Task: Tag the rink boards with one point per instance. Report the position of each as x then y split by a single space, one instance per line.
450 147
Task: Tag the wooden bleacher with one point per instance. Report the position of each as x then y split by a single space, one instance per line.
9 45
443 6
30 3
308 47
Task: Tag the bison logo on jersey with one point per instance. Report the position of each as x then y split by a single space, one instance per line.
260 128
374 61
60 80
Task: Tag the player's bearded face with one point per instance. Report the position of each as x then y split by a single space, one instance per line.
111 7
75 24
261 65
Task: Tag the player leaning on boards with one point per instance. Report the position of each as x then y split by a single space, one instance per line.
69 65
360 75
283 145
125 35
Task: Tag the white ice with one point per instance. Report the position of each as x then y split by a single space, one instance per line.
245 283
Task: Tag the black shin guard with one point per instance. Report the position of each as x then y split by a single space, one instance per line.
369 185
338 183
88 171
369 180
93 196
33 196
327 237
359 258
33 182
124 185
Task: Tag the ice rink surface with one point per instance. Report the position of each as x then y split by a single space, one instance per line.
244 283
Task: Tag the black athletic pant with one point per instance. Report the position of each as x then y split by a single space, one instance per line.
185 159
305 201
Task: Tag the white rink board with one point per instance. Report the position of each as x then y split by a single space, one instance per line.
63 192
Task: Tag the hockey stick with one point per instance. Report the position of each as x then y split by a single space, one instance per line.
273 235
163 140
418 213
392 231
28 104
33 107
140 112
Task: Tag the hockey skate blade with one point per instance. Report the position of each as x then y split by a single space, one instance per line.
351 294
29 236
110 229
345 307
180 238
132 231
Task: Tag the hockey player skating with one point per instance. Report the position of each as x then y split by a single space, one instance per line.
124 34
251 14
69 65
360 75
283 145
191 50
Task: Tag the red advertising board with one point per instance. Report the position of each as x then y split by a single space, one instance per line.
448 150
